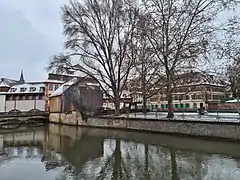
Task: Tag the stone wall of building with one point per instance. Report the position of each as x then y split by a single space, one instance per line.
191 128
72 118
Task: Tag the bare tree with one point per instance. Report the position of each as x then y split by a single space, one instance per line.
180 33
146 69
229 50
99 39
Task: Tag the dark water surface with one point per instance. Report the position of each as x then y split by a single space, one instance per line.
63 152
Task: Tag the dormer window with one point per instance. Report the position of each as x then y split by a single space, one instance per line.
32 89
23 89
42 89
13 89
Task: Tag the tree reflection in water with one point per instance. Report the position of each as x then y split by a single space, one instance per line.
105 155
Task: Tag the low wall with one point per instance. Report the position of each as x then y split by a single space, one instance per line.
72 118
190 128
23 118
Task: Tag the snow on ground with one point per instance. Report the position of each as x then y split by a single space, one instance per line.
222 117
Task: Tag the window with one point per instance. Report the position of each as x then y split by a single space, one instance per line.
9 98
32 89
56 87
187 105
23 89
195 105
194 96
30 97
50 87
41 97
42 89
13 89
181 106
23 97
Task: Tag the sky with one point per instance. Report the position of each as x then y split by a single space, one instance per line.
30 33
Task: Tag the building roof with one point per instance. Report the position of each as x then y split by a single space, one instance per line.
5 82
198 78
61 77
63 87
34 87
54 81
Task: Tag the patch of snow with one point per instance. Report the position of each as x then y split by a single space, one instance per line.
233 101
54 81
63 88
28 88
4 84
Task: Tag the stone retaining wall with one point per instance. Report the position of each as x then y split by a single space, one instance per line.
73 118
191 128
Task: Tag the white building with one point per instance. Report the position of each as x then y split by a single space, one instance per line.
25 97
124 99
5 85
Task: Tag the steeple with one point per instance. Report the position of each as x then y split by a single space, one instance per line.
21 80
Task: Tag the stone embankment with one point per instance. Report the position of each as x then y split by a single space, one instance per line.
223 130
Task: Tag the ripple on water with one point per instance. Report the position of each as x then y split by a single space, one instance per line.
62 152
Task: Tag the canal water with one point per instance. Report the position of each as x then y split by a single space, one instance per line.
69 153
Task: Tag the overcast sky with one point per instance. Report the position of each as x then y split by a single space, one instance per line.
30 32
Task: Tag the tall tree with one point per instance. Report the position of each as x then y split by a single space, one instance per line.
146 69
229 50
180 32
99 38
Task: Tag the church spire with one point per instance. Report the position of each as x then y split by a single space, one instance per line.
22 77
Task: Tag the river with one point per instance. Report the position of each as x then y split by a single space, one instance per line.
70 153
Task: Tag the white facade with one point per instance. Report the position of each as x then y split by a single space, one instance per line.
2 102
25 105
25 97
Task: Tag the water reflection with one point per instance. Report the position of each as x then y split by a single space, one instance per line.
62 152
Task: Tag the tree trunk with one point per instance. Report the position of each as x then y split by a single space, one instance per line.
144 92
169 97
144 104
117 172
117 108
146 162
170 106
116 102
173 164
